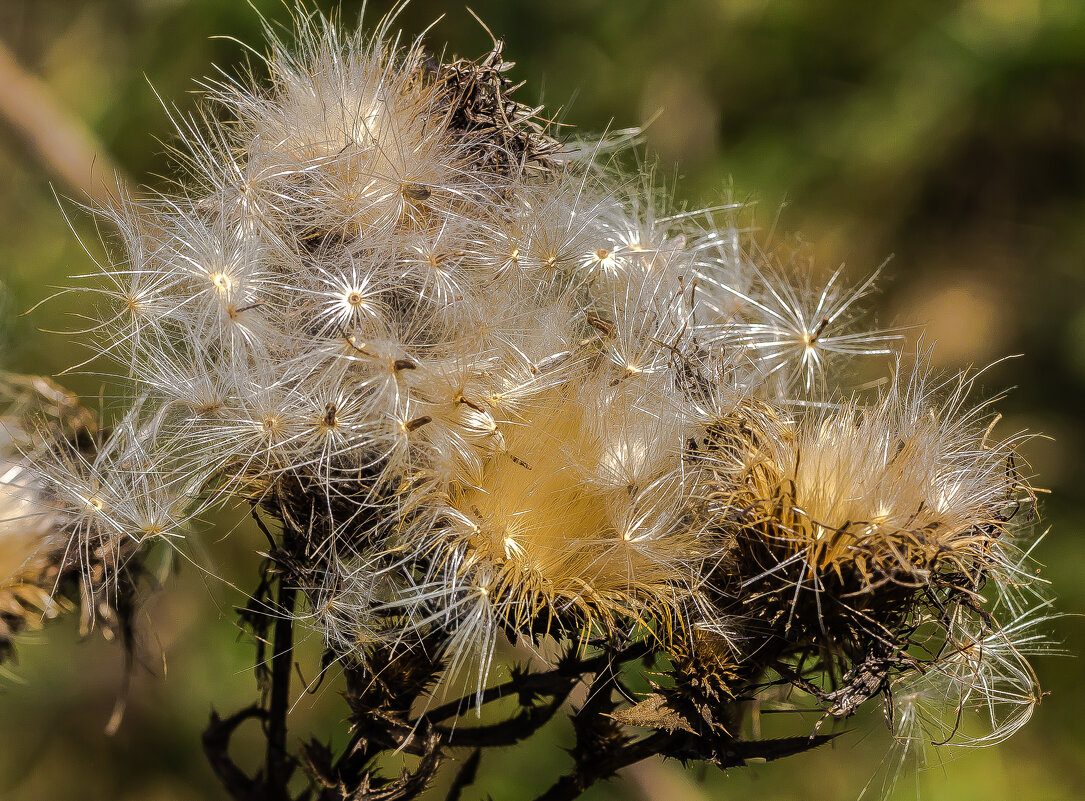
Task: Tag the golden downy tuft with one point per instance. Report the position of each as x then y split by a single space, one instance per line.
29 552
556 543
32 545
857 491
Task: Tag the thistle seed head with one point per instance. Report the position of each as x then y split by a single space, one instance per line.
491 390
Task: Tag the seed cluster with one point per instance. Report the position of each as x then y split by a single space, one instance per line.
494 389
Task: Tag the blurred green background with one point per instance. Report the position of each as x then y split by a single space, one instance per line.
948 135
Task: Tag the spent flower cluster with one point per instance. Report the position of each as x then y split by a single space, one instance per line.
488 389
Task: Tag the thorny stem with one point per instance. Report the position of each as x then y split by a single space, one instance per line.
507 732
279 766
216 745
587 773
547 682
602 745
554 684
601 750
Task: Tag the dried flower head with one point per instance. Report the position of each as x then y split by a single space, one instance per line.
34 554
491 390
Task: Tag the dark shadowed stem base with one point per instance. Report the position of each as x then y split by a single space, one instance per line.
382 693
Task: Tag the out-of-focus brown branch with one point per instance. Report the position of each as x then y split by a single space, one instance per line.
62 141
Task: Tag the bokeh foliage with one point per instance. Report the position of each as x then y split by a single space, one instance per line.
948 135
